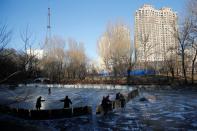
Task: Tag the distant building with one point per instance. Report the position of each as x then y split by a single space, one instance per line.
157 27
38 53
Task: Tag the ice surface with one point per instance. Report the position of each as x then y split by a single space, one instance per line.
80 95
164 110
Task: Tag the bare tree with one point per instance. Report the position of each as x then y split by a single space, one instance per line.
27 59
114 47
146 49
170 60
191 8
183 36
193 57
54 59
5 36
186 34
76 59
192 12
24 60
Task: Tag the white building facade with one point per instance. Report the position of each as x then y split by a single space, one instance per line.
37 53
154 33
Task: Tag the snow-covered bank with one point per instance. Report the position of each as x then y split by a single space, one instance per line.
165 87
88 86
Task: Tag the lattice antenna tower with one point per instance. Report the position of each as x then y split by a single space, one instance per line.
48 33
49 23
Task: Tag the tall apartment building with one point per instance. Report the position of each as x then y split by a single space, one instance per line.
154 33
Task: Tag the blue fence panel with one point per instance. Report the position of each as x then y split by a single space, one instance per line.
142 72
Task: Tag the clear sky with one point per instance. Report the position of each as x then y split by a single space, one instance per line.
83 20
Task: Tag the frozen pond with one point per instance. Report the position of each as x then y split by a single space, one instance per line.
89 95
164 110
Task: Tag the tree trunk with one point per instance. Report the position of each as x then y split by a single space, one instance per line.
172 72
177 72
183 65
193 64
167 75
129 74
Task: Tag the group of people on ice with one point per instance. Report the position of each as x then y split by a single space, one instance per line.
121 98
66 101
107 103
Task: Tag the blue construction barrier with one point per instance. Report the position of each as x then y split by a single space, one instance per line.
142 72
139 72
